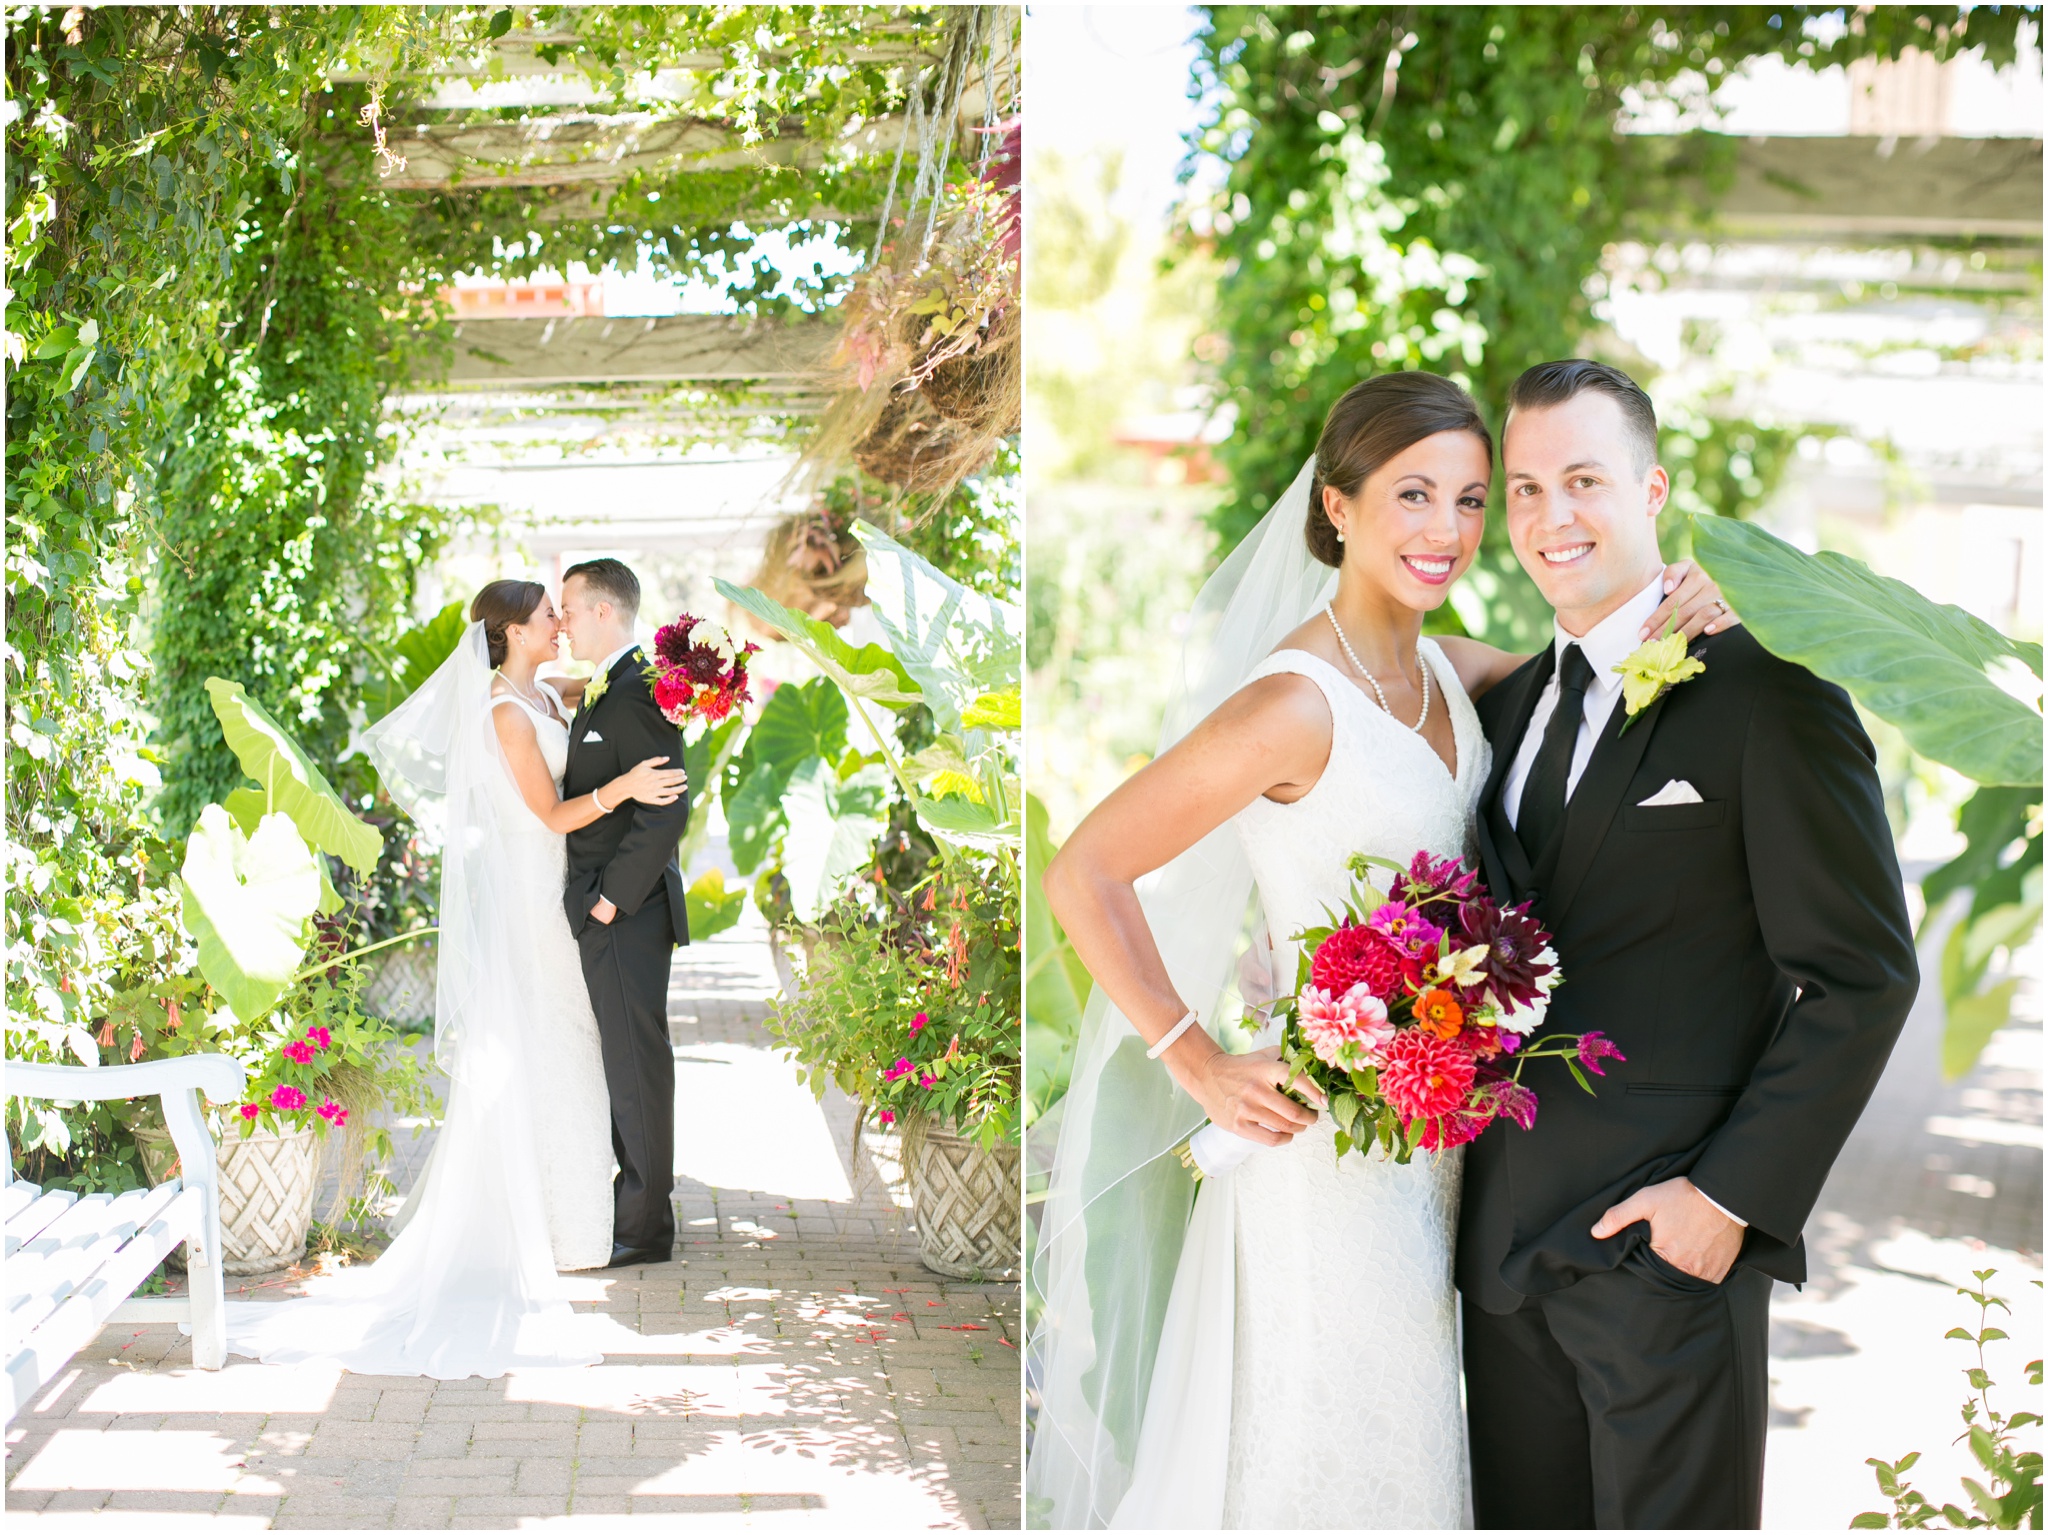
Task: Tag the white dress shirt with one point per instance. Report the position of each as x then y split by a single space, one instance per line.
605 666
1606 645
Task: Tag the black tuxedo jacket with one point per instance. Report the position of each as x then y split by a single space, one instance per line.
629 854
1750 954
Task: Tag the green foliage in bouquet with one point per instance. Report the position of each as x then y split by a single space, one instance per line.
1960 692
2008 1495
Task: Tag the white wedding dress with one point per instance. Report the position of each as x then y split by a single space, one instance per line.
519 1181
1344 1410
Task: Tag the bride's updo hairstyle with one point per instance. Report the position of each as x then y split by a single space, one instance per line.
1372 423
503 603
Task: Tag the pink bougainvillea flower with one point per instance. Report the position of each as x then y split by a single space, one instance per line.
1348 1031
899 1069
248 1111
1594 1047
298 1050
1425 1077
926 1080
333 1112
285 1096
918 1022
319 1038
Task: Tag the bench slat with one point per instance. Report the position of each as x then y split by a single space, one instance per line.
46 1207
71 1250
15 1198
47 1349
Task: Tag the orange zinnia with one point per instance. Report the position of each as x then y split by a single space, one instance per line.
1437 1011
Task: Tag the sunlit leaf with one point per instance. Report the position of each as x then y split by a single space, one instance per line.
288 777
246 900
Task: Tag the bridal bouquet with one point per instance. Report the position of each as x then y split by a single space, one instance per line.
1416 1011
697 671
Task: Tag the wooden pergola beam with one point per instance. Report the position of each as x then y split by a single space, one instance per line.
674 349
1861 189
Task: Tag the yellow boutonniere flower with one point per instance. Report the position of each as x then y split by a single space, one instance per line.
1656 667
594 689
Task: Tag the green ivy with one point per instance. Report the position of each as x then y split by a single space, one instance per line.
1448 209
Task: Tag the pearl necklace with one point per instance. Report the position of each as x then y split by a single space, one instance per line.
1330 612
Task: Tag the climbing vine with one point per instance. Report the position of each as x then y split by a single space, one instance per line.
212 291
1433 187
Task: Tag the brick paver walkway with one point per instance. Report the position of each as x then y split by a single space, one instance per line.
795 1364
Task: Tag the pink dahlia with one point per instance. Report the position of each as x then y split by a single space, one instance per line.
298 1050
1347 1032
1412 935
672 691
1425 1077
285 1096
1355 955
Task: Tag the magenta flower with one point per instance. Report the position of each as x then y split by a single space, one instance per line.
319 1038
918 1022
285 1096
1515 1101
1407 930
1428 876
333 1112
298 1050
887 1117
249 1111
926 1080
899 1069
1595 1047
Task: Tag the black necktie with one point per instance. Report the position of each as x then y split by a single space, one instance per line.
1542 812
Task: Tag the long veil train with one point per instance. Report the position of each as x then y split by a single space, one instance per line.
468 1287
1116 1214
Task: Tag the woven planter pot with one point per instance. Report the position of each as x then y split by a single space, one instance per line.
266 1193
399 987
968 1205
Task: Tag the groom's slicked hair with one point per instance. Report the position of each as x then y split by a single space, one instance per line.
614 579
1373 422
1552 383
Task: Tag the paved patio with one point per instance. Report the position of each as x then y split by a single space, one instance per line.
795 1364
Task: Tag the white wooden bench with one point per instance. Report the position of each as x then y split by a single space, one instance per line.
73 1264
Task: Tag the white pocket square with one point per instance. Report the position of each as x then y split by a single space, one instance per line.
592 735
1676 792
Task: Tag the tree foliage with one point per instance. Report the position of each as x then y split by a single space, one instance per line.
1433 187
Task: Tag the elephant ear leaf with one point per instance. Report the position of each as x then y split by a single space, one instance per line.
286 774
414 657
869 672
959 644
245 899
1941 675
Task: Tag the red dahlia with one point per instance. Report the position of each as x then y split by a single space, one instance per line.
1353 954
1425 1077
1454 1129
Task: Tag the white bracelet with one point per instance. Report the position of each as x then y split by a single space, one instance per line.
598 802
1166 1043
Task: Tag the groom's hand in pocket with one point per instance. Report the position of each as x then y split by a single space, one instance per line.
603 911
1686 1231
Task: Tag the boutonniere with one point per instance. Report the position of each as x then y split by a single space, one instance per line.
1654 669
593 690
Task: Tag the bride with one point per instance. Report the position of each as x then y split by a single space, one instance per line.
1283 1355
519 1182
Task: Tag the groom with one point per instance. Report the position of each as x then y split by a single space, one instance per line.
625 901
1720 880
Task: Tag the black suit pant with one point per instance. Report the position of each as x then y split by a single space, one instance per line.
1632 1400
626 965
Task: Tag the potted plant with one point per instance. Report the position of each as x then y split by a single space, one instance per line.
909 1003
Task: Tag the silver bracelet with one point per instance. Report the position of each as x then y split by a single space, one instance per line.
598 802
1166 1042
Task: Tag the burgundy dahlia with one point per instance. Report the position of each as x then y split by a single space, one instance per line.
1514 942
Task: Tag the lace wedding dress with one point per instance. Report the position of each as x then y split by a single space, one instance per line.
1344 1410
519 1182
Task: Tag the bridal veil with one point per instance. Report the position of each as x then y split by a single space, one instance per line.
1116 1216
468 1287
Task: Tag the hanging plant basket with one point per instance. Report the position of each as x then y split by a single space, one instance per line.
967 1202
979 391
266 1193
914 448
